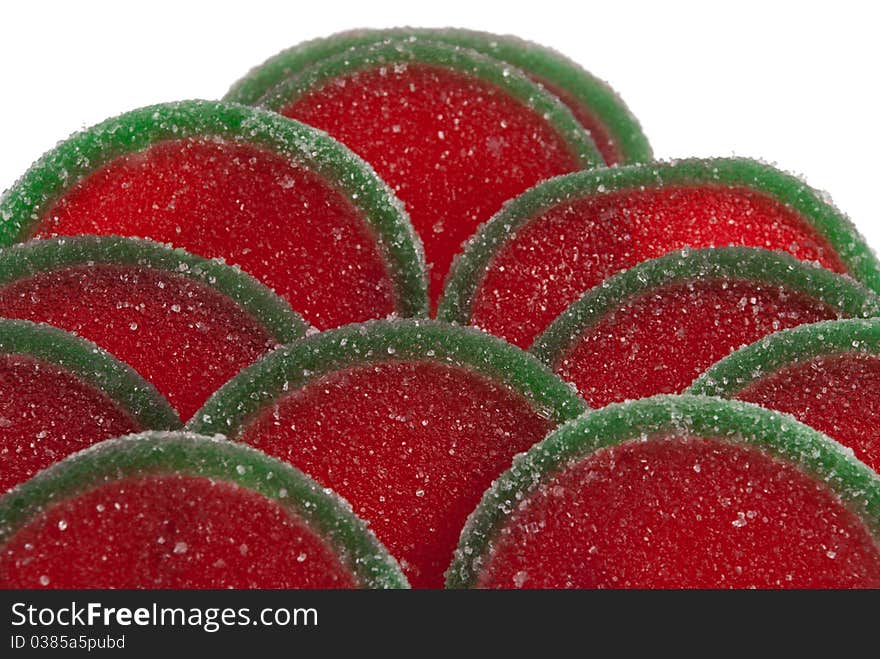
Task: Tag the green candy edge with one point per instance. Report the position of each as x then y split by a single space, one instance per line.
781 435
93 365
218 459
509 79
64 166
287 369
471 264
758 360
545 63
777 269
260 302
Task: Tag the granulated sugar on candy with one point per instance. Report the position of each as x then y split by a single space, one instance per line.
176 510
410 421
596 106
655 327
677 492
454 133
563 237
186 324
60 394
285 202
826 375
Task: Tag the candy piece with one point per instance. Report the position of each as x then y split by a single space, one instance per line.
594 104
558 240
59 394
408 420
288 204
455 133
826 375
184 323
655 327
177 510
677 492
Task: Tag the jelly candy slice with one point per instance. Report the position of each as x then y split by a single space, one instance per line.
285 202
454 133
827 375
594 104
59 394
184 323
408 420
176 510
677 492
558 240
655 327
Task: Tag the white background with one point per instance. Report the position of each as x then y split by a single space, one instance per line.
791 83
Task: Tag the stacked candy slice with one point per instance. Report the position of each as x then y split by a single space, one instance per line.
265 275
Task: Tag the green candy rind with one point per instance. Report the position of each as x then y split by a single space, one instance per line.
405 51
38 256
290 368
774 269
781 435
92 365
214 458
543 63
471 264
804 343
25 203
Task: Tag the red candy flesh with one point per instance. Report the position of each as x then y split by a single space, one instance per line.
453 147
411 445
685 513
278 221
659 342
169 531
47 413
185 338
835 394
562 253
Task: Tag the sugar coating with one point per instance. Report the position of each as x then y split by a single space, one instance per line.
460 134
281 200
409 421
677 491
654 328
560 239
210 514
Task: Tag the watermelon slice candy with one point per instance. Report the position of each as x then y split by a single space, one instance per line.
184 323
408 420
209 513
677 492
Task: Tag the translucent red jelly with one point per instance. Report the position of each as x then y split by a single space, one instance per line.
835 394
411 445
686 513
659 342
566 251
47 413
280 222
169 531
453 147
185 338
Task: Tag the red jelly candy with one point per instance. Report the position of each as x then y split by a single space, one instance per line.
283 201
826 375
454 133
176 510
409 421
562 238
677 492
594 104
59 394
184 323
655 327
